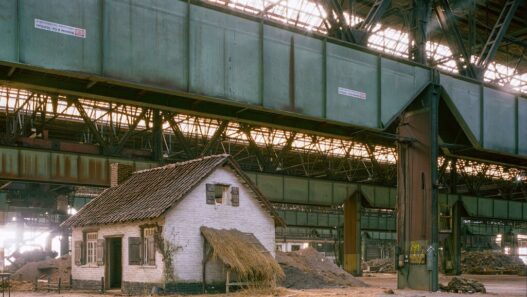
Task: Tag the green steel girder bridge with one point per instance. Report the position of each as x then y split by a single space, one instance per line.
162 59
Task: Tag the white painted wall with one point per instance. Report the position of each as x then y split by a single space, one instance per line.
131 273
183 221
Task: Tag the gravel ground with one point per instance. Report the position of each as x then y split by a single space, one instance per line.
497 285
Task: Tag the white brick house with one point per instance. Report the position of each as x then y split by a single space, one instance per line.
145 232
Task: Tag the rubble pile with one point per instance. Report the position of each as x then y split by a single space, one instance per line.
309 269
491 262
461 285
385 265
31 256
51 269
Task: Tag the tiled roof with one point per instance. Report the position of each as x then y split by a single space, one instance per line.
147 194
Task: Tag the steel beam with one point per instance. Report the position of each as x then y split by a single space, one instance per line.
44 166
448 23
420 18
362 31
496 35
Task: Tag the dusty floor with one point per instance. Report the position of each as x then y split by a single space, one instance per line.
497 285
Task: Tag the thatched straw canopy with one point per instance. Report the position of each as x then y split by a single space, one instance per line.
242 253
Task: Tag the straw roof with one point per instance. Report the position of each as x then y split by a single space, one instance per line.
242 253
148 194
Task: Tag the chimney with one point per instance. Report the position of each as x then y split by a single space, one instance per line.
119 173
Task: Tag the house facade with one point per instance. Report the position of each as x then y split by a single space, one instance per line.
145 232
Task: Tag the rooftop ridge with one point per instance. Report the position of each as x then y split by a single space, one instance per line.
174 165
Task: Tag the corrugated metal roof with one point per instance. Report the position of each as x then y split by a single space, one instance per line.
147 194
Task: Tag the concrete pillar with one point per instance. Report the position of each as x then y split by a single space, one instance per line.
352 235
417 209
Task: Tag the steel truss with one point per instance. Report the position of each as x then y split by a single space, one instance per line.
113 129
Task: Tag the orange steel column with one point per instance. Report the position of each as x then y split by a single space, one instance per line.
352 236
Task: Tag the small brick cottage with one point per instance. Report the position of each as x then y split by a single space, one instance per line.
145 232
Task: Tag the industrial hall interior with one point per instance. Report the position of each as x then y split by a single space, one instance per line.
267 148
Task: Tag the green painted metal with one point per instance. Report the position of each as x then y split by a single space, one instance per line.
379 197
81 169
9 30
494 208
60 51
487 229
522 126
286 189
142 41
189 48
63 168
493 119
447 199
377 222
381 235
369 221
3 200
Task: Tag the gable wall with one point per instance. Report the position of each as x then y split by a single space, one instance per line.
182 225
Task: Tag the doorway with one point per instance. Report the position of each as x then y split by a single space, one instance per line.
114 269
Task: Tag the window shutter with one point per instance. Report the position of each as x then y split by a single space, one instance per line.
100 252
235 196
78 252
211 193
151 257
134 250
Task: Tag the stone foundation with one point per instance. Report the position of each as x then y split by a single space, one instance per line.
80 284
136 288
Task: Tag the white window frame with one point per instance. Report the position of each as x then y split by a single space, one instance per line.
148 235
91 248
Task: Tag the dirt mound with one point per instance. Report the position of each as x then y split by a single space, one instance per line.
30 256
381 265
462 285
490 262
309 269
48 268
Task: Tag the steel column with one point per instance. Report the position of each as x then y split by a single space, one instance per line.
421 16
352 235
417 215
